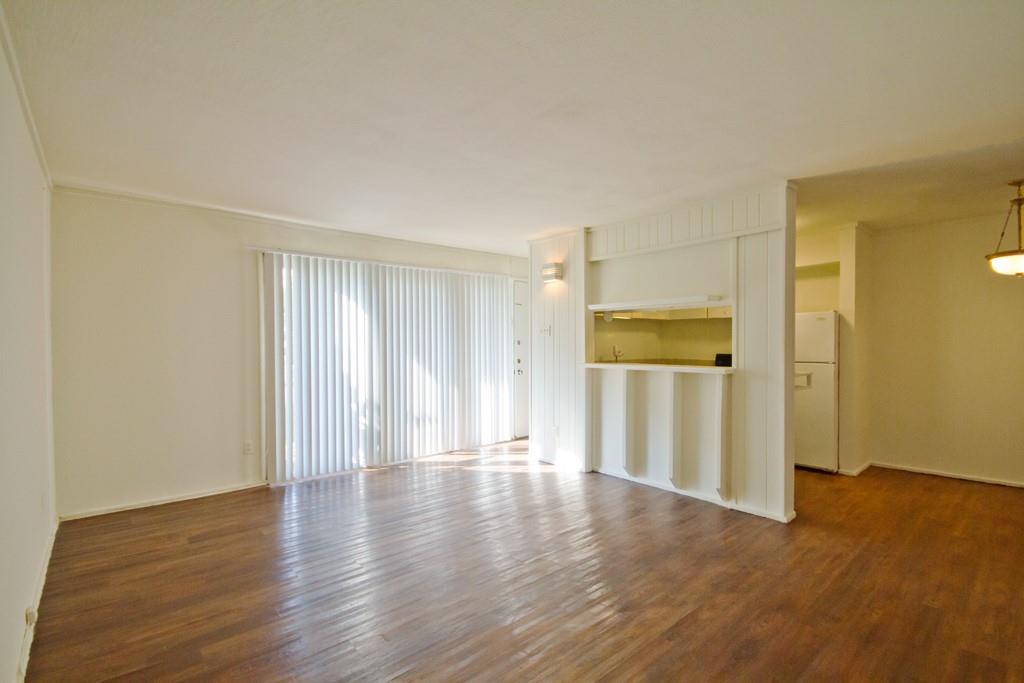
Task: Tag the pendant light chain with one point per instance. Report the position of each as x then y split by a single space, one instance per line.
1003 233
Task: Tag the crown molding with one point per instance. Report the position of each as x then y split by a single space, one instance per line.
19 85
545 236
74 187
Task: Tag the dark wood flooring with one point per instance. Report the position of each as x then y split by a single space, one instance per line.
473 567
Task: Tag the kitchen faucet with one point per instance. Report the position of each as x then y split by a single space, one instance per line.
616 353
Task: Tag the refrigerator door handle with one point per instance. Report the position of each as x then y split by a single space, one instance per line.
802 380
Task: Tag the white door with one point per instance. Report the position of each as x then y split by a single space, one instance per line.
816 423
521 356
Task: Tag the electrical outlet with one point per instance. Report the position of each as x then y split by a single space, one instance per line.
248 448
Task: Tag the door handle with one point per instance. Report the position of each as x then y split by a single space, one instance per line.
805 376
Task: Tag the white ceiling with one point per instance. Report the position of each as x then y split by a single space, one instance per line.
479 123
946 187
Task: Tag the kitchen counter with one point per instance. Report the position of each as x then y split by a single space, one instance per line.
662 361
664 365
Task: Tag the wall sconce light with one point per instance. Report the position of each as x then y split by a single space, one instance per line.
551 272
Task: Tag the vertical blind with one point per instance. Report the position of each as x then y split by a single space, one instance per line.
369 364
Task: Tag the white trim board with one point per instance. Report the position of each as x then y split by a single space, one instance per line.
30 628
933 472
857 471
785 519
950 475
162 501
681 303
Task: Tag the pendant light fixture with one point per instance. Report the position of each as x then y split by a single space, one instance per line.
1011 262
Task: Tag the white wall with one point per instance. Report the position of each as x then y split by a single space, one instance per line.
705 268
558 391
946 360
26 449
855 362
156 357
762 436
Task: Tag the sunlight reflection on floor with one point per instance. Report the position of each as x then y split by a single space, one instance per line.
513 456
454 456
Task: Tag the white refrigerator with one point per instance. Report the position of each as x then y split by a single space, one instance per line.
816 390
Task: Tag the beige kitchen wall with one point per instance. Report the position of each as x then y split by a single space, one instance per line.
817 288
640 339
946 362
930 360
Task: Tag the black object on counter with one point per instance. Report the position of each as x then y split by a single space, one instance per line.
723 360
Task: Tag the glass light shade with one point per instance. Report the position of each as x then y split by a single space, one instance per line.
1007 262
551 272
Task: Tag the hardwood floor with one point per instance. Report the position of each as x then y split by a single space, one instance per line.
474 567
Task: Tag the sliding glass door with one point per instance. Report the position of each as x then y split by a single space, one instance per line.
370 364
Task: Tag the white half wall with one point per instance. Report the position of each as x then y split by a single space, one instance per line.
26 434
738 246
156 342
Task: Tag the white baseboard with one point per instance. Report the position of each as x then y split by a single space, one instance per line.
701 496
785 519
951 475
856 471
668 486
161 501
30 629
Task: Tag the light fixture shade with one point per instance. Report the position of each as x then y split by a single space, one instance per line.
1011 262
1007 262
551 272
